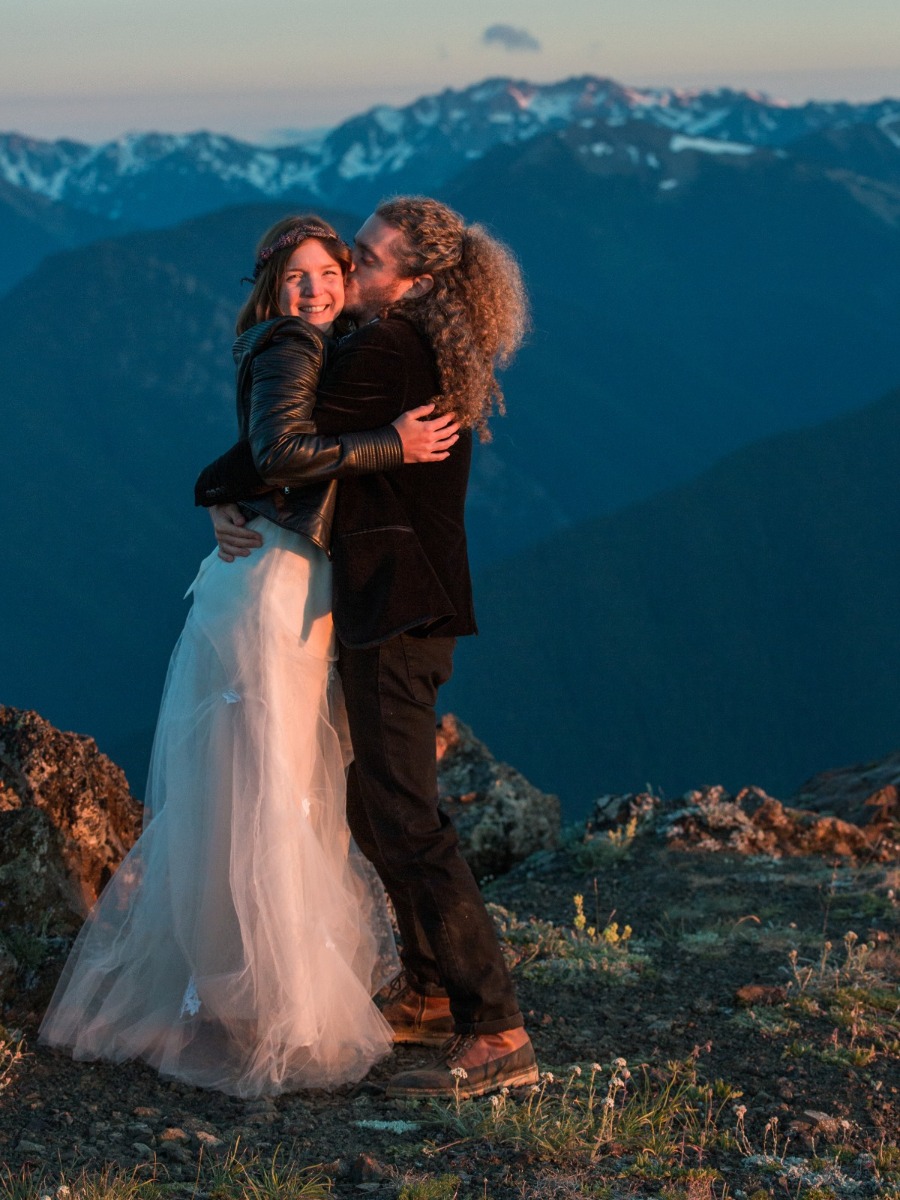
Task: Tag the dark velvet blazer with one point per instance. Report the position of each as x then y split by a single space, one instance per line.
398 540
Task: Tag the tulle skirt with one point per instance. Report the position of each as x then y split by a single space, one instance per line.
241 940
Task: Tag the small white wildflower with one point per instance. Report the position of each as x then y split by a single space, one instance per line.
63 1192
596 1067
534 1088
547 1077
459 1073
609 1102
618 1083
504 1091
620 1064
495 1102
740 1111
626 1074
576 1070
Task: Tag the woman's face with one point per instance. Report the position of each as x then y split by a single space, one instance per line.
313 286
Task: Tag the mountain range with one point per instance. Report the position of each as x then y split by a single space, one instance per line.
707 270
156 179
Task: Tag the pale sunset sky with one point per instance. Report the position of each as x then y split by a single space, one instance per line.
93 69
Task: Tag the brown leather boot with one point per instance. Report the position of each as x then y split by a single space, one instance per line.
471 1065
416 1019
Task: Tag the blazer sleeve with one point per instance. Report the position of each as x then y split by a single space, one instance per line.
282 448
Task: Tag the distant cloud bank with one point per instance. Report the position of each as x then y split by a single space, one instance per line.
510 38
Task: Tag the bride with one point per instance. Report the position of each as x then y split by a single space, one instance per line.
240 943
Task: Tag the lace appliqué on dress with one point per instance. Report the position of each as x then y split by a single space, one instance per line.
190 1003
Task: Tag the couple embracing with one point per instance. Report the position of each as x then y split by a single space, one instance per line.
241 942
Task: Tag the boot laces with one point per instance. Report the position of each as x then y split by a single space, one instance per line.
396 987
455 1047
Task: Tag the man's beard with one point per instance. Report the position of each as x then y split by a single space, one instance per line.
366 303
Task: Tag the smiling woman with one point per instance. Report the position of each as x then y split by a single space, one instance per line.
312 286
301 267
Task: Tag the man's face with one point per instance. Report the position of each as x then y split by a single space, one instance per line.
375 281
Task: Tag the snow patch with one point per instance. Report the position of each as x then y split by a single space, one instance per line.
390 119
890 127
708 145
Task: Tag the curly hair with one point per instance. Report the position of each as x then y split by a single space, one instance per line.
263 301
476 313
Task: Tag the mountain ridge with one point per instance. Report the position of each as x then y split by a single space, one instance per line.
417 146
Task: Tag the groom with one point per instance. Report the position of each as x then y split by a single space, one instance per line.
437 304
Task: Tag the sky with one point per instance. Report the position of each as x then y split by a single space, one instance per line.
94 69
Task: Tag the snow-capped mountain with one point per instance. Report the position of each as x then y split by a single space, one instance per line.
153 179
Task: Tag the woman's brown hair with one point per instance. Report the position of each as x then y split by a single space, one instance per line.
273 253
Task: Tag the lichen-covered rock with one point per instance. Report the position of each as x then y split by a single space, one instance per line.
67 819
9 968
753 823
37 890
500 817
83 794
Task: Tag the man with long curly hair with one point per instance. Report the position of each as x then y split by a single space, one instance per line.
440 305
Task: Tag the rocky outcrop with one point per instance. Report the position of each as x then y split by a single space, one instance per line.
753 823
67 819
82 794
500 817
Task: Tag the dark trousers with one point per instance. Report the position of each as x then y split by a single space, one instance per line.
449 941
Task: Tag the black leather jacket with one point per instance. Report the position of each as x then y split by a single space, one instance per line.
278 367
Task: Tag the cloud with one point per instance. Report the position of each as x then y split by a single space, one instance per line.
510 38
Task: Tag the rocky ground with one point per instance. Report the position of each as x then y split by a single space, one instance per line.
741 957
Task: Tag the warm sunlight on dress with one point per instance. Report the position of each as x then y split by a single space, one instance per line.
241 940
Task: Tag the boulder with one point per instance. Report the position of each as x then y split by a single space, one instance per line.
500 817
67 819
82 794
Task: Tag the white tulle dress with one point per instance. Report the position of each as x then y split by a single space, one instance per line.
240 942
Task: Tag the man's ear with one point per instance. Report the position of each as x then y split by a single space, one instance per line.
421 284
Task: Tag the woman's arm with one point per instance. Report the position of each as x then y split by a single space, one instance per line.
283 449
286 449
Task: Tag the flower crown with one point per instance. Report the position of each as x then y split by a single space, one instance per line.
293 237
